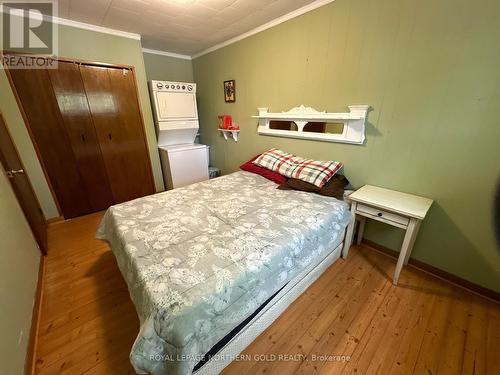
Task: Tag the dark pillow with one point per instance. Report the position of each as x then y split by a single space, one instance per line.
333 188
296 184
264 172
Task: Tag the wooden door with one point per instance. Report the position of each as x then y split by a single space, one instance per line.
113 101
21 185
70 95
41 110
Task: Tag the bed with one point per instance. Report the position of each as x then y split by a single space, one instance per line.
217 262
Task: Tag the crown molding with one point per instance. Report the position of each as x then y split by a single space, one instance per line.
99 29
297 12
87 26
165 53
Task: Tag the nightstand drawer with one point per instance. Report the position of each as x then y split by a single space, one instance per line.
378 213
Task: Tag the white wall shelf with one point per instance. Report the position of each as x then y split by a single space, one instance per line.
230 133
353 130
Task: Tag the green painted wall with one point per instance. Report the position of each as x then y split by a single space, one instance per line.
430 70
166 68
92 46
19 262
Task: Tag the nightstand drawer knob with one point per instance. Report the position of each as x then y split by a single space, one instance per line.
381 215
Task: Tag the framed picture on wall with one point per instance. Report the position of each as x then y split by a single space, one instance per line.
229 91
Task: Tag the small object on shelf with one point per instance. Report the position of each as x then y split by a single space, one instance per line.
228 128
233 133
225 122
213 172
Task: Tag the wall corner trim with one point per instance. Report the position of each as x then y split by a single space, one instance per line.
30 361
295 13
166 53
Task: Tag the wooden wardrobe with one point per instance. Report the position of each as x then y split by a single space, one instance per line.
86 125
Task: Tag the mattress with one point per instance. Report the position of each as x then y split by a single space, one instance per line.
268 315
199 260
226 340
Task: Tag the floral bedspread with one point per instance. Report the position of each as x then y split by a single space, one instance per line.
200 259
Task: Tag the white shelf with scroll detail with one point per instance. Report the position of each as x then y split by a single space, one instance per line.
308 123
230 133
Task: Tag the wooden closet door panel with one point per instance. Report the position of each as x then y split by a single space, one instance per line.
37 99
70 94
113 102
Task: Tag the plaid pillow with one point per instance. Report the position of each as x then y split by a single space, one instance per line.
273 159
315 172
291 166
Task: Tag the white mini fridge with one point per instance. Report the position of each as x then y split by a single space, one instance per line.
184 164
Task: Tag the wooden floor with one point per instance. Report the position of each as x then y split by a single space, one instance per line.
423 326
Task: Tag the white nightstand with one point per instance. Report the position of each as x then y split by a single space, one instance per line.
401 210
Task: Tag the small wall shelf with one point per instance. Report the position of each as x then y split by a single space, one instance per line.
352 123
230 133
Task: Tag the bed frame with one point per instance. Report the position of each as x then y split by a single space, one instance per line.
273 310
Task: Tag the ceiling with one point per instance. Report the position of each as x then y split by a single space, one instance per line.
179 26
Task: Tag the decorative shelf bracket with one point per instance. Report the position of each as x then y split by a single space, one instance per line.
352 123
230 133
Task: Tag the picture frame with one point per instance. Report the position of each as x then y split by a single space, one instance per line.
230 91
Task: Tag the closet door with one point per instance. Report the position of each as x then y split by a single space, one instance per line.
70 94
36 97
112 97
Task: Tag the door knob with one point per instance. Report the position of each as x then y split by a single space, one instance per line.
13 173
